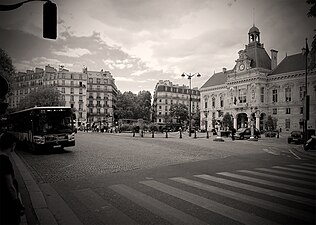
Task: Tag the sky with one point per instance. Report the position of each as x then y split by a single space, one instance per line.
143 41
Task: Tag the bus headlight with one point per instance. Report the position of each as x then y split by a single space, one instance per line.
39 140
71 137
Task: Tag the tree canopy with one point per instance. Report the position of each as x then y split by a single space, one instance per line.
179 112
132 106
43 96
6 68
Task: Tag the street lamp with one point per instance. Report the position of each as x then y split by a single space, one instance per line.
189 76
305 52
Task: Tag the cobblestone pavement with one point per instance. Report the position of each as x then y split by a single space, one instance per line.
99 153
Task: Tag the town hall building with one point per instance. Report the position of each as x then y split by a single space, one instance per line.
256 87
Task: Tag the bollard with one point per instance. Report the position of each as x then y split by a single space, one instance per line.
207 136
194 133
142 133
166 134
133 134
180 134
153 134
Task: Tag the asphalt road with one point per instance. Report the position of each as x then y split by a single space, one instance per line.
118 179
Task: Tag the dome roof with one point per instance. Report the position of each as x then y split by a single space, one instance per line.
253 29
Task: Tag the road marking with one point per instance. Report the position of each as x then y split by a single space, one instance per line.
275 207
101 209
303 167
294 170
270 151
270 192
294 154
208 204
269 183
298 176
278 177
161 209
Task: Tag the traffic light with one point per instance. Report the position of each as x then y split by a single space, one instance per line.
50 20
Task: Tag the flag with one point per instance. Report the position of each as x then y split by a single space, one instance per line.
306 48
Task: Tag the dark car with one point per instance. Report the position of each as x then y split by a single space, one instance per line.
296 137
245 133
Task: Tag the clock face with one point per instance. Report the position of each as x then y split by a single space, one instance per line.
241 66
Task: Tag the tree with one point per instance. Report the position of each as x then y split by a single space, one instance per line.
227 120
143 106
312 10
43 96
6 68
312 54
196 119
179 112
271 123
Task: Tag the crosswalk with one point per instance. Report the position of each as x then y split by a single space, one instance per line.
277 195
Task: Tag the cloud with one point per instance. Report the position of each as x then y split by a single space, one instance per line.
72 52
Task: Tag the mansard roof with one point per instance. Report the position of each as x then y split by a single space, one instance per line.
216 79
290 63
259 56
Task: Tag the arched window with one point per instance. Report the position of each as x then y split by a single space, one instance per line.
287 94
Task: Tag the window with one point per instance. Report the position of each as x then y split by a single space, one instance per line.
63 90
287 124
274 111
72 98
71 90
159 100
301 110
288 94
80 90
166 101
221 101
63 82
262 94
274 95
288 111
205 104
90 80
213 102
98 80
80 106
302 91
242 95
160 107
71 83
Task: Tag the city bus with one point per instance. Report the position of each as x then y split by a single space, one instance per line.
43 128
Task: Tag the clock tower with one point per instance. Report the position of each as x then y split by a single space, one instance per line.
254 55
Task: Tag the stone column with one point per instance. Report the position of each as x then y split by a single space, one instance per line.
258 122
249 120
235 122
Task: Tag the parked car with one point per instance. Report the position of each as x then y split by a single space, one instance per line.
296 137
245 133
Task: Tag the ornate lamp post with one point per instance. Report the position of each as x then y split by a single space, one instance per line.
189 76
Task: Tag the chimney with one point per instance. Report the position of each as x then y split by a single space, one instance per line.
224 70
274 59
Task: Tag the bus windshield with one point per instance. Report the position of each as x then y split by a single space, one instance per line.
52 122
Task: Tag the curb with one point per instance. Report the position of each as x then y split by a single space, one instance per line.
41 209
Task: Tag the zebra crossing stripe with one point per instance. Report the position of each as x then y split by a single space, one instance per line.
278 177
102 210
253 188
298 176
303 167
309 164
208 204
275 207
161 209
295 170
269 183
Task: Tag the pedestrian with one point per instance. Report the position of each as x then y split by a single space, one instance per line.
233 130
11 207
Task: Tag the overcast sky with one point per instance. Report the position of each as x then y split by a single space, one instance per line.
143 41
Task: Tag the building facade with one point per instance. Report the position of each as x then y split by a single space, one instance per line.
101 97
80 91
256 87
166 94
